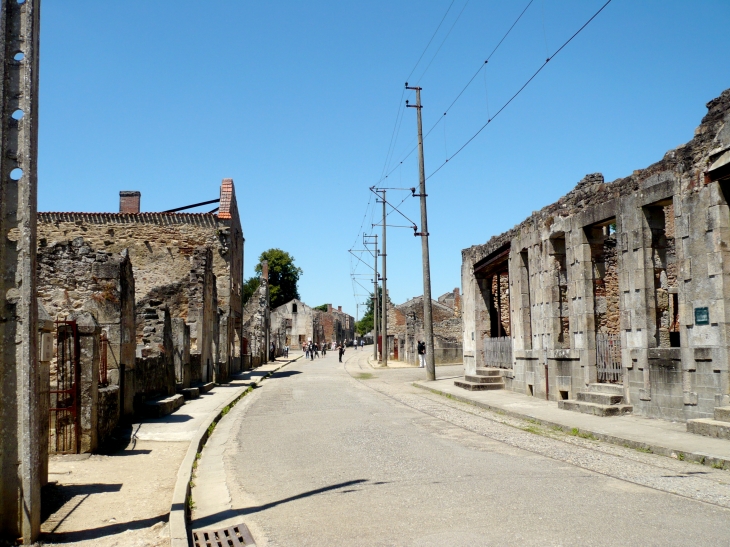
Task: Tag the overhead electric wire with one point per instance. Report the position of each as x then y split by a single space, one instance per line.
442 44
519 90
431 40
481 67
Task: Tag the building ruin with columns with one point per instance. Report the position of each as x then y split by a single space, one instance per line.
615 298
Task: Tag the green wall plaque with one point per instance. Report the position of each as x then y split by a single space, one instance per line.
702 316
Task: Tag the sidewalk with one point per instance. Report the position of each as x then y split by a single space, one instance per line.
659 436
124 498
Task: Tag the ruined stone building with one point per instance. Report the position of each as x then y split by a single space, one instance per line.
405 329
614 298
337 326
295 324
161 248
255 321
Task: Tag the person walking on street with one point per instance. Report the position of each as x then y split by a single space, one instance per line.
316 350
342 351
306 351
324 349
311 351
362 344
286 351
421 354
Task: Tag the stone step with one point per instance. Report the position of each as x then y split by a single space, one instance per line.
483 379
473 386
599 398
595 408
190 392
205 388
489 372
162 407
722 413
709 428
615 389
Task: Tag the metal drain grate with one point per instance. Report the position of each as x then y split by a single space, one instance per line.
234 536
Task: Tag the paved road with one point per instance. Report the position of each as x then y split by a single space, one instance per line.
333 454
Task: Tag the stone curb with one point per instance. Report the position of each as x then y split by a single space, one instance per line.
697 457
179 532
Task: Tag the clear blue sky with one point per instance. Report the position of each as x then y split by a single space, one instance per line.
296 101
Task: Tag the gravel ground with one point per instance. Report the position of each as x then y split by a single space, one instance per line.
325 455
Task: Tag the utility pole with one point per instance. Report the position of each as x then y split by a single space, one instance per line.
384 305
427 315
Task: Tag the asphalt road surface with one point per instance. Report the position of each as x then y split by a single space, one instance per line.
331 454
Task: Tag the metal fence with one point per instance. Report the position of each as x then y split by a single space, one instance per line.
64 437
608 358
498 352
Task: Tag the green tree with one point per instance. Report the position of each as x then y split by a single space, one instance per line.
249 287
323 307
365 324
283 276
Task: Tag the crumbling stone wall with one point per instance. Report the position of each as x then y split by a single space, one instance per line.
254 327
646 260
73 276
161 247
155 370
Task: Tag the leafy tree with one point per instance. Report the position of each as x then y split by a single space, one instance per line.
283 276
249 287
365 324
323 307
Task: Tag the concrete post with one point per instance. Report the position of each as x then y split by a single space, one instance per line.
19 389
45 351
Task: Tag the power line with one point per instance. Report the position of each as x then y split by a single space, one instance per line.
481 67
431 40
490 120
441 45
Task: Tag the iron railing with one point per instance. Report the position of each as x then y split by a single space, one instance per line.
64 419
608 358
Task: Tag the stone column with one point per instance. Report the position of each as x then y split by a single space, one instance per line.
89 333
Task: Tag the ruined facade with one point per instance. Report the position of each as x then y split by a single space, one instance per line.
255 319
162 249
405 329
622 285
295 324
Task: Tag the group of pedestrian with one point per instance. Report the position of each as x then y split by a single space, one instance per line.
311 350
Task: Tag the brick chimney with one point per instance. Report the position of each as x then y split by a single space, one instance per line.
339 309
129 201
329 308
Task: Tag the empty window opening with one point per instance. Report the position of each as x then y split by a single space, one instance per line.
664 263
563 395
530 390
294 308
499 305
525 302
560 297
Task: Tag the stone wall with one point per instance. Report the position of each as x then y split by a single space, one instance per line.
642 259
155 368
254 327
161 247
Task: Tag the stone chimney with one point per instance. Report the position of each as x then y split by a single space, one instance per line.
129 201
339 309
329 308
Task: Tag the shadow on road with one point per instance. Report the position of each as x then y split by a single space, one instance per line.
102 531
230 513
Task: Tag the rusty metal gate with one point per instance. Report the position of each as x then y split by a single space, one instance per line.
64 436
608 358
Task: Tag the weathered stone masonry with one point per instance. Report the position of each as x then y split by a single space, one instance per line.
640 264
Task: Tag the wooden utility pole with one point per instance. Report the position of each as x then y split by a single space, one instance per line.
427 313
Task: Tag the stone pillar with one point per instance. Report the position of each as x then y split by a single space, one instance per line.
181 342
89 333
45 356
19 390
